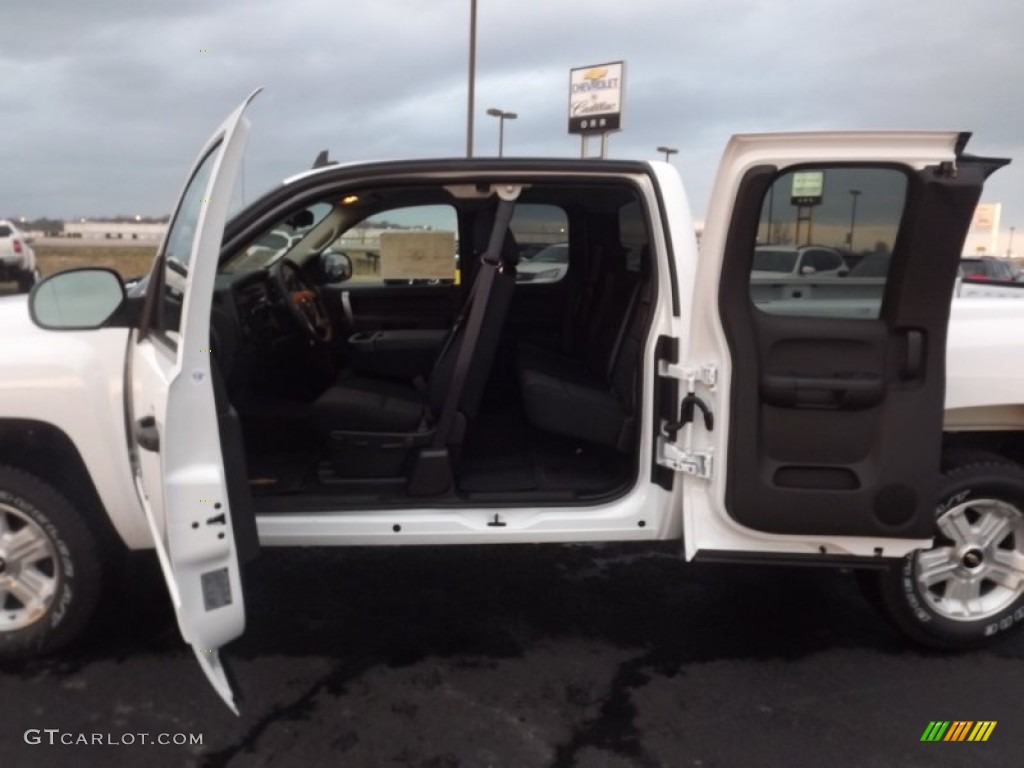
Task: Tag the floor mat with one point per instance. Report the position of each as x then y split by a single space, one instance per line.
562 465
277 473
504 453
498 473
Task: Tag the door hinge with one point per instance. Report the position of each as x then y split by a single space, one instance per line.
692 376
696 463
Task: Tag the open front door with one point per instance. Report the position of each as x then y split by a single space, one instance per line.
829 263
179 467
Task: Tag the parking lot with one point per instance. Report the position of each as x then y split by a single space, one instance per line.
516 656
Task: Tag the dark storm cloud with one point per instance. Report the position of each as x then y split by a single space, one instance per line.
105 103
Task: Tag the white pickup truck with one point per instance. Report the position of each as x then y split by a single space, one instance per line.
17 258
243 396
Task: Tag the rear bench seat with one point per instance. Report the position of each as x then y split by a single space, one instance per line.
591 396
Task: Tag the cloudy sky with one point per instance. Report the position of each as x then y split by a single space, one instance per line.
104 104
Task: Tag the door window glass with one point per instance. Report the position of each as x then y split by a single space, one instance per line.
824 241
180 245
417 245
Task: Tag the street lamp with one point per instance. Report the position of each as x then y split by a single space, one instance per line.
669 151
502 117
854 193
472 78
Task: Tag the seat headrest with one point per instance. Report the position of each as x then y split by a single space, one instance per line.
483 225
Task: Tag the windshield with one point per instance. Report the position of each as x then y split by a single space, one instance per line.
774 260
278 242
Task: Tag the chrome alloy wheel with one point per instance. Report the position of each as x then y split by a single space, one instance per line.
29 569
976 568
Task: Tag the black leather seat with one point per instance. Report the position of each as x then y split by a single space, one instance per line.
364 404
591 396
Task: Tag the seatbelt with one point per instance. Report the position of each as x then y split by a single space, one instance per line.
490 265
617 347
449 339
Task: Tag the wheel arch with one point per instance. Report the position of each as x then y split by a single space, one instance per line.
1005 444
48 453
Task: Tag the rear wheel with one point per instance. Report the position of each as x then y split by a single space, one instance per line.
968 588
50 572
27 279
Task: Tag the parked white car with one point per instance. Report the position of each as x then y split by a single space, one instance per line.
653 399
789 260
17 259
548 265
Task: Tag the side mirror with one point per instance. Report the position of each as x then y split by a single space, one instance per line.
76 299
335 266
807 269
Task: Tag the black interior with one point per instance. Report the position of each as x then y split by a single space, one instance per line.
550 391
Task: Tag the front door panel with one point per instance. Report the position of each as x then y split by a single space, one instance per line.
179 466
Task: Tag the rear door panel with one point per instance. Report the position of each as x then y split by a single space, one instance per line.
833 408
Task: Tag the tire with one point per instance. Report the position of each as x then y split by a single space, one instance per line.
26 280
51 572
968 589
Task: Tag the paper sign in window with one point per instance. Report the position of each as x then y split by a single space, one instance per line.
417 255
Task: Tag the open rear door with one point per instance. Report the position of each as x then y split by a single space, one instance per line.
827 387
179 467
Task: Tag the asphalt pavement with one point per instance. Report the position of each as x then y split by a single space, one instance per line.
514 656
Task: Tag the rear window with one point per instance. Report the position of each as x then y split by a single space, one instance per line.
542 234
5 231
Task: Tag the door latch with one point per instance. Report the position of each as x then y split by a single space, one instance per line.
146 434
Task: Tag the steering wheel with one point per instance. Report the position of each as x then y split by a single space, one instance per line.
302 300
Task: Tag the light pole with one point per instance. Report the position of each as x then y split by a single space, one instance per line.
1009 245
669 151
854 193
502 117
472 78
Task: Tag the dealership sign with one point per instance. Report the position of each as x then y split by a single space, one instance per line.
595 98
808 187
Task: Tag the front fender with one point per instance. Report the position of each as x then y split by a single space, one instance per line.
73 381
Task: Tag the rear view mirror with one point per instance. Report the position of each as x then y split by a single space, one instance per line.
76 299
301 220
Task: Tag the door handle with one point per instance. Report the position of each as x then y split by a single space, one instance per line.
914 362
346 306
852 392
146 434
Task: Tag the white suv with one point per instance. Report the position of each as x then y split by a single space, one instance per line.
17 259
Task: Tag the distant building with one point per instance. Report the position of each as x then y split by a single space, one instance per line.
143 231
983 236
